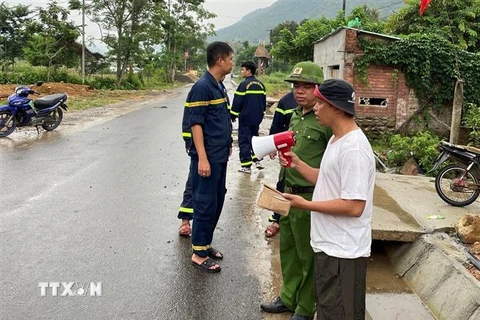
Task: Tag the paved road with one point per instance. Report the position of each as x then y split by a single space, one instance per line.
99 205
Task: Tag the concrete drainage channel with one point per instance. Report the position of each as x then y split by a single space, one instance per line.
388 295
423 280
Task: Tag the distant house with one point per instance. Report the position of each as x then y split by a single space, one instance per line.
383 104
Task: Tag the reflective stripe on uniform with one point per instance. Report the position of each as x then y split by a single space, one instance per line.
186 134
244 164
284 112
239 93
234 113
205 103
186 210
255 92
200 248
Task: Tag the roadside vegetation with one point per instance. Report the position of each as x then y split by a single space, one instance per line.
149 43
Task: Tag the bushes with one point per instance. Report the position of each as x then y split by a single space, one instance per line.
472 120
422 147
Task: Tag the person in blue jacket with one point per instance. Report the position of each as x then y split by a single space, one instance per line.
280 123
249 104
185 212
206 116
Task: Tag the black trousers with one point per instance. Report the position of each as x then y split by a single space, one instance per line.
340 286
245 134
186 208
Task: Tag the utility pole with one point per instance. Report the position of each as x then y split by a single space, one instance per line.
456 112
343 7
83 41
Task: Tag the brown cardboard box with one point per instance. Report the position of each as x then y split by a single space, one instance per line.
272 199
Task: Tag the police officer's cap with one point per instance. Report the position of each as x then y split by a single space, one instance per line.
306 71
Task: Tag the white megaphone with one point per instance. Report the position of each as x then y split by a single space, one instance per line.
282 142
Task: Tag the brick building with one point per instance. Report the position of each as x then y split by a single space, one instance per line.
383 104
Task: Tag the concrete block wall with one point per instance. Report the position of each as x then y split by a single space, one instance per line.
440 280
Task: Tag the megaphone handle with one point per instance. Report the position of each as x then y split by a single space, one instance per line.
287 158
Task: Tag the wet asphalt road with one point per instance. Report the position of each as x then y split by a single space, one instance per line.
100 204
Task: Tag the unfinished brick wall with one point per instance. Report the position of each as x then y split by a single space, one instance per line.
385 102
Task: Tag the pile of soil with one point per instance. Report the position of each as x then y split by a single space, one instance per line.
77 90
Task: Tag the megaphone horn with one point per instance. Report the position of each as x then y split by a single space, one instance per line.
263 145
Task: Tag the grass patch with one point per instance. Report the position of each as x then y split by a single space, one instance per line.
99 98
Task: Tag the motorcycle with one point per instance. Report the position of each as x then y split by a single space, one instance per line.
458 184
20 111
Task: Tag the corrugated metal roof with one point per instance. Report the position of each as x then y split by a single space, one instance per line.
358 30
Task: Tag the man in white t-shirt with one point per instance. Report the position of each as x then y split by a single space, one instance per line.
341 206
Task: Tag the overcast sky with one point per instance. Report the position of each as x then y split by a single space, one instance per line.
228 12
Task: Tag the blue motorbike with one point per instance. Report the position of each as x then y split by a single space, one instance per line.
22 111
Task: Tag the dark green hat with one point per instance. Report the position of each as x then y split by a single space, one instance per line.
306 71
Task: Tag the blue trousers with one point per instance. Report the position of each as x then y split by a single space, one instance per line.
186 208
208 198
245 134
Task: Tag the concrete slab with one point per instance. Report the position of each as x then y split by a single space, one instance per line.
403 205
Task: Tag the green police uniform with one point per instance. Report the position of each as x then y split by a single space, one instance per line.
296 253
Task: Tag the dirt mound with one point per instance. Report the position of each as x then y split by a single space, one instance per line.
51 88
183 78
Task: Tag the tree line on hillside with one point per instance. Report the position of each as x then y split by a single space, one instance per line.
435 49
150 34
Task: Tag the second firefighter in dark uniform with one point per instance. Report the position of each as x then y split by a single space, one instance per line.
249 104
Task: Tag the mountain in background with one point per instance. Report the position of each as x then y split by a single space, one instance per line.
255 26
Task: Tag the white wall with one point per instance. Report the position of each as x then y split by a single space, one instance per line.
330 52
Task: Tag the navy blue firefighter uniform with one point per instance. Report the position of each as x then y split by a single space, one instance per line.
249 104
186 207
207 106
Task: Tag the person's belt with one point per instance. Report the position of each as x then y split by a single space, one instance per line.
299 190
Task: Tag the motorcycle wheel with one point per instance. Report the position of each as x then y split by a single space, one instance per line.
52 121
452 191
7 128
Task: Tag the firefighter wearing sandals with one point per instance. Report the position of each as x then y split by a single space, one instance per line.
249 104
185 212
296 254
206 114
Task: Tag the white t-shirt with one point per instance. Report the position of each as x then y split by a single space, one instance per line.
347 171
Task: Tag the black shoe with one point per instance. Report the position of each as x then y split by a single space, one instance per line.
276 306
300 317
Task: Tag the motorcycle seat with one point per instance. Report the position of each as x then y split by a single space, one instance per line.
50 100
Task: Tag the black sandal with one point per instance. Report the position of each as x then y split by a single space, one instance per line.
214 254
207 266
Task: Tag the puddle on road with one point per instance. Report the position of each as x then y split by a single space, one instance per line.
383 200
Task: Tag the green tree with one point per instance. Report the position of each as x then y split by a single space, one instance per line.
126 23
297 45
275 34
53 38
455 20
185 32
245 53
12 32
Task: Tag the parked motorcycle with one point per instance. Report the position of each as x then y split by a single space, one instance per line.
458 184
22 111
